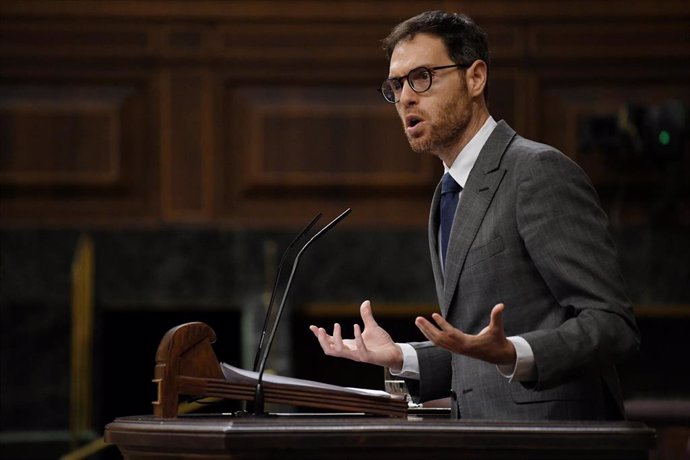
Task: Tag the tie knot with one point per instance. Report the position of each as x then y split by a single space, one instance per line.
448 184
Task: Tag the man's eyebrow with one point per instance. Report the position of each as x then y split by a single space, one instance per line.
411 69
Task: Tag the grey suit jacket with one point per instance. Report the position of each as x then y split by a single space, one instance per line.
529 232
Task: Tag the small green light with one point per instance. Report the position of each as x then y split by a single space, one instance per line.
664 137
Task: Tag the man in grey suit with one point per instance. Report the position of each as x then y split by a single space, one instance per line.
534 316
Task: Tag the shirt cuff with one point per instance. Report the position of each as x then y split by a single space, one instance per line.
524 369
410 367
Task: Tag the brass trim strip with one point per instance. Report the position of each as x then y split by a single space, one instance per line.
81 393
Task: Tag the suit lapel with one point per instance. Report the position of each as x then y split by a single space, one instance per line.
433 242
481 186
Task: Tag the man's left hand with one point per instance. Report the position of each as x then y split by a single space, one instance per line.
489 345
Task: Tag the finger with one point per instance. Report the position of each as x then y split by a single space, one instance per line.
423 330
317 331
367 315
324 340
448 338
422 322
496 321
449 335
359 342
428 329
337 338
442 323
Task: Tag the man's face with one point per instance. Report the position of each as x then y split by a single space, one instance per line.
434 121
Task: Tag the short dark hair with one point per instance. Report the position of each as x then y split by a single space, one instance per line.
465 41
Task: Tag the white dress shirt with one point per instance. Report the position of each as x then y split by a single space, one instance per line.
523 369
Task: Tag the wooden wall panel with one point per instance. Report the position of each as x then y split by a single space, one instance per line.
76 149
611 40
325 137
60 135
311 144
256 113
302 43
73 38
186 143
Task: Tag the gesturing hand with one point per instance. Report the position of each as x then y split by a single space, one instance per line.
373 345
489 345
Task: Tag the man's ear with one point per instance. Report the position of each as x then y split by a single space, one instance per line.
476 76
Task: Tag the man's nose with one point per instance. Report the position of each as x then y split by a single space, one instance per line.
408 96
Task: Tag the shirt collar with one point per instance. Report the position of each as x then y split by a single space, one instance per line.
461 167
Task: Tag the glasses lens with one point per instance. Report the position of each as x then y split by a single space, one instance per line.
420 79
389 89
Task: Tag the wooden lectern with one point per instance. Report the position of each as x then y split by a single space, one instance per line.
187 365
185 362
352 437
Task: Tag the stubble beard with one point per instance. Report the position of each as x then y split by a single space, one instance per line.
446 131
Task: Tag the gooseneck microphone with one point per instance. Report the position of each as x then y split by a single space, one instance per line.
259 393
269 310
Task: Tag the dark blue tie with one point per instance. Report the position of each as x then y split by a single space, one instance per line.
449 202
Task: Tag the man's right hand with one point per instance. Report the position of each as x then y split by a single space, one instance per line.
373 345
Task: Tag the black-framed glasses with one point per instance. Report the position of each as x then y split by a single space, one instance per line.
419 79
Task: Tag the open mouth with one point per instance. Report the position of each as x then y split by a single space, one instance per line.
412 120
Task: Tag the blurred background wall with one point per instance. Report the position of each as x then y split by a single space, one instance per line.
156 157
